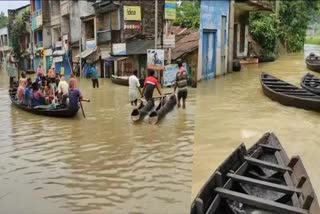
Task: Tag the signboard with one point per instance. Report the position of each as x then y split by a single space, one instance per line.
170 10
132 26
57 59
155 59
169 74
91 44
169 41
132 13
119 49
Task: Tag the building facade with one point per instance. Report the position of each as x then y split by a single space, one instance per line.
213 46
4 42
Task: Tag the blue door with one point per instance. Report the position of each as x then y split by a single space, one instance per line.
209 54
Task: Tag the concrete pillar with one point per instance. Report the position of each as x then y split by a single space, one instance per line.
230 36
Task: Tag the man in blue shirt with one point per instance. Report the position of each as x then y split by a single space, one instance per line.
94 76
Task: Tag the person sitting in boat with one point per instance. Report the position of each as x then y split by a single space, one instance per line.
20 91
49 94
63 88
52 74
74 95
73 78
37 97
23 76
149 84
27 93
134 84
40 71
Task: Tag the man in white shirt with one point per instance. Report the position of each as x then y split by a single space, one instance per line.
63 87
134 84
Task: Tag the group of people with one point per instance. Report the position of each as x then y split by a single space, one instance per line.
51 90
152 83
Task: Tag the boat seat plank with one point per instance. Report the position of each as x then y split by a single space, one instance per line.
265 146
259 202
289 182
268 165
214 205
268 185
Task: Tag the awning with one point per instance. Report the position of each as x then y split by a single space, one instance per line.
112 58
86 53
139 47
58 53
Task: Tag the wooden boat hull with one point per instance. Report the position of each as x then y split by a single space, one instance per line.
288 94
156 115
311 83
124 81
266 59
313 62
59 112
249 61
139 113
223 193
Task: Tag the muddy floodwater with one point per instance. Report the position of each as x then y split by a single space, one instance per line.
233 109
101 164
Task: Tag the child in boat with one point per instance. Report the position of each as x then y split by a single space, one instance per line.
20 91
27 93
37 97
133 85
74 95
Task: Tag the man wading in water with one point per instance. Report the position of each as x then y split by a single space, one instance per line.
181 83
149 84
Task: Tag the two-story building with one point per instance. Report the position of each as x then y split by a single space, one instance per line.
41 33
4 42
25 42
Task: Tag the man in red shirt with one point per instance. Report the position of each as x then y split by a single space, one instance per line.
149 84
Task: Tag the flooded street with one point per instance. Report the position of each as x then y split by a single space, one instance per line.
233 109
101 164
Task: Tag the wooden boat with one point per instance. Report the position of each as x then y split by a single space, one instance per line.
251 60
313 62
124 80
165 106
139 113
265 58
311 83
288 94
57 112
259 180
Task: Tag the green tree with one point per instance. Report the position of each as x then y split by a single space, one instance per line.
3 20
188 15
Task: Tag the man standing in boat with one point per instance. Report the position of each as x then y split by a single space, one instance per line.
181 84
149 84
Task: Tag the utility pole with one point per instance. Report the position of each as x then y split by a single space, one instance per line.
156 25
80 48
231 36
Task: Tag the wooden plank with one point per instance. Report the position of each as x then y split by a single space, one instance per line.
287 178
265 146
214 205
267 185
199 205
259 202
268 165
307 203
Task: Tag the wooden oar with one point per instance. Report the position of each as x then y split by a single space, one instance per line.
86 100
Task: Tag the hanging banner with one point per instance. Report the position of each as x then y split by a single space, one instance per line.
155 59
170 8
169 41
91 44
119 49
132 13
169 74
132 27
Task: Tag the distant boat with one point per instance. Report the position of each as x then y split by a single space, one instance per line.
313 62
288 94
124 80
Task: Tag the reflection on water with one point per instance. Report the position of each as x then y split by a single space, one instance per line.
232 109
101 164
